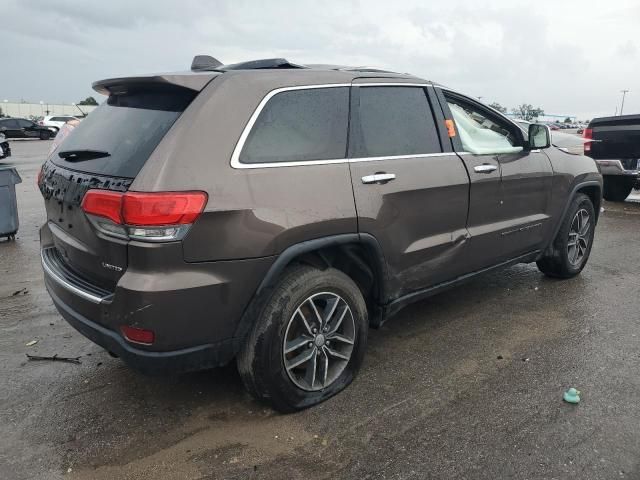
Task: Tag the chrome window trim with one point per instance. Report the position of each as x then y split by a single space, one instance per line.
500 114
235 156
400 157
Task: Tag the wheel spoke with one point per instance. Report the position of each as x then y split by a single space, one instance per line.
335 354
304 320
300 359
339 338
294 345
315 310
310 374
331 306
325 367
573 254
339 321
585 228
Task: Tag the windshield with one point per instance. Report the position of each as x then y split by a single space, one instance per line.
128 127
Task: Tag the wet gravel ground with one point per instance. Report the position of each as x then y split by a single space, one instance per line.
465 385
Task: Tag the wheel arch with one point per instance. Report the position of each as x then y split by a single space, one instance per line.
357 255
591 188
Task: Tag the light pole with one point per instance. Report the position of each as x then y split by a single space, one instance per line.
624 93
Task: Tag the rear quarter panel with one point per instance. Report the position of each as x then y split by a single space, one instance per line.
250 212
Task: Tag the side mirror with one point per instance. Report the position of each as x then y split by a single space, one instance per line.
539 136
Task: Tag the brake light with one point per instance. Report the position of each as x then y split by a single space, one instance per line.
587 135
157 216
162 208
40 177
138 335
104 204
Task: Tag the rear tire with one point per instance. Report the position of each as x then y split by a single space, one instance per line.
572 246
617 189
288 318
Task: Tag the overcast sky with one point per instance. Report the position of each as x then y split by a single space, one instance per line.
569 57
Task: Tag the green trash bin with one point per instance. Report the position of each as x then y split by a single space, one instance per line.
9 178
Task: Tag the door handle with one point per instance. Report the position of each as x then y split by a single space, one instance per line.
485 168
379 177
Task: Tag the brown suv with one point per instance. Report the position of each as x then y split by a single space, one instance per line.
270 213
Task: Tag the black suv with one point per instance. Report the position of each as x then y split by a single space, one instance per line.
23 128
270 213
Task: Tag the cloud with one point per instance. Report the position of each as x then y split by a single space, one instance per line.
559 57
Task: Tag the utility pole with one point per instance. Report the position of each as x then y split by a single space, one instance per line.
624 93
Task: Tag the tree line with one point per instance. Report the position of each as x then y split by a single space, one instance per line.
526 111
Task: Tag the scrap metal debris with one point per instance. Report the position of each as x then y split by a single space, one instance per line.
22 291
31 343
56 358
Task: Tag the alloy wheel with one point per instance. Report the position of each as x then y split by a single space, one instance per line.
318 341
579 237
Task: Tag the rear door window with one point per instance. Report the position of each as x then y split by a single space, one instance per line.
128 127
10 123
394 121
300 125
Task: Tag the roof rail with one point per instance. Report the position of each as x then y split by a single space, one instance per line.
368 69
205 62
261 64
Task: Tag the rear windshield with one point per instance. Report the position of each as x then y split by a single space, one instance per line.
128 127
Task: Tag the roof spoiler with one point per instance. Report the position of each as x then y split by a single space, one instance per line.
205 62
193 81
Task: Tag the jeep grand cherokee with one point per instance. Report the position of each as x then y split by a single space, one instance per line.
270 213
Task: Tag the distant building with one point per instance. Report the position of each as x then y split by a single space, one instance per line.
27 110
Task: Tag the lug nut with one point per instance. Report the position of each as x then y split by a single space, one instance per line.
314 330
310 344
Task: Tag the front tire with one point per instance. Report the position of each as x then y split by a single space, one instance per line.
572 246
308 341
45 135
617 189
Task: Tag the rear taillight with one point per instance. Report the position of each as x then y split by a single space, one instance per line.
138 335
154 217
588 136
40 177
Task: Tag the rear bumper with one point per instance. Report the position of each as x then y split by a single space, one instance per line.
615 167
194 309
148 362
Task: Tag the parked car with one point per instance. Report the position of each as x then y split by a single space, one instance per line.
64 132
55 121
271 213
23 128
614 142
5 148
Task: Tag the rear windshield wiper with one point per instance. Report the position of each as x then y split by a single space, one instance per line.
80 155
